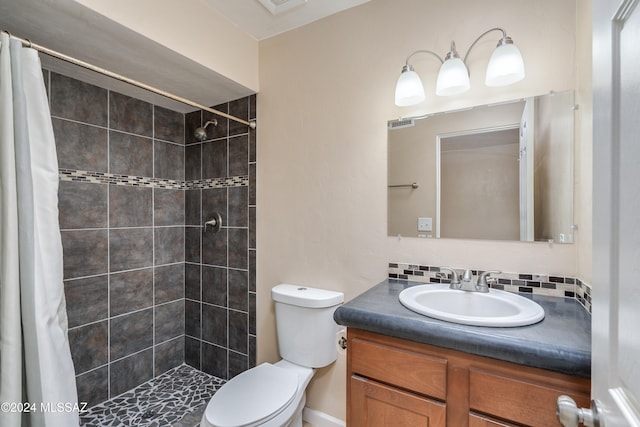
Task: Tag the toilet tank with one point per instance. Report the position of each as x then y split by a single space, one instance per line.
305 326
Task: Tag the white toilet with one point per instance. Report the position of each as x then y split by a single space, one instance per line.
274 395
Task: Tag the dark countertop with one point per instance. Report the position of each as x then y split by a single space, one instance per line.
561 342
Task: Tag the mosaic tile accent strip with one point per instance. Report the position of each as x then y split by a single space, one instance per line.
537 284
143 181
162 401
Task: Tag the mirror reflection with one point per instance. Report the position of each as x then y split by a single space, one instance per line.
496 172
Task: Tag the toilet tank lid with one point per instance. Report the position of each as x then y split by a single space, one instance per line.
304 296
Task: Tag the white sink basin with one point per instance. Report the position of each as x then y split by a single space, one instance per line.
496 308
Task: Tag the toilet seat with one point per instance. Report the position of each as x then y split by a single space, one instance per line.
253 397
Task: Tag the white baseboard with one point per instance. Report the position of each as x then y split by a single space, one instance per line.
320 419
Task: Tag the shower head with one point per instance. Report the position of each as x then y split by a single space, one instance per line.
201 132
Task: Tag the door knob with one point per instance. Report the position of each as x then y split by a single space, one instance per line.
570 415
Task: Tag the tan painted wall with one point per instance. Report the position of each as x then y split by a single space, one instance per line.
192 29
326 93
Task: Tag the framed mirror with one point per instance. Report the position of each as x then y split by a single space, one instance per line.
496 172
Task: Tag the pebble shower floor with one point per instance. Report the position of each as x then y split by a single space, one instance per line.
176 398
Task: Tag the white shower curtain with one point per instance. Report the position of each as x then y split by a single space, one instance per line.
37 379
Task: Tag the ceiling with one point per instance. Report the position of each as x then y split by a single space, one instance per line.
75 30
255 19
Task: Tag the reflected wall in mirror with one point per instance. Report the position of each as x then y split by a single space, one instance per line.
495 172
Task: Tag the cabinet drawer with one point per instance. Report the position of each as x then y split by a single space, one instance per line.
520 400
378 405
413 371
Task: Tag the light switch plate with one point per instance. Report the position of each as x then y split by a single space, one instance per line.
425 224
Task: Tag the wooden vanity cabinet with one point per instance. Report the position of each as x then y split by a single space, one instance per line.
395 382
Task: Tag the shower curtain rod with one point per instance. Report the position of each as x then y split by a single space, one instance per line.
67 58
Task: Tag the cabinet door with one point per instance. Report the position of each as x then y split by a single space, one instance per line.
377 405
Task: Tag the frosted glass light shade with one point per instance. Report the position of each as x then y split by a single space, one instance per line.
409 89
453 78
505 66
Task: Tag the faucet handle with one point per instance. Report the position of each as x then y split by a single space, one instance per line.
455 279
482 285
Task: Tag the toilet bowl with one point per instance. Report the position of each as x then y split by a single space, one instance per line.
267 395
273 395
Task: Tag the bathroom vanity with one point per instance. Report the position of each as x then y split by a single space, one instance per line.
407 369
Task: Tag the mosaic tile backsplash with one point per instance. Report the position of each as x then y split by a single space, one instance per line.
538 284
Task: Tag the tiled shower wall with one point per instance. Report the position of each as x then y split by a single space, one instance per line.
220 267
122 216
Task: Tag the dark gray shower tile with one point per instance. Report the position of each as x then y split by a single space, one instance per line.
82 205
252 227
168 125
130 248
89 346
168 160
168 206
192 281
238 289
169 283
214 325
214 360
238 248
85 253
130 291
45 78
222 130
214 159
238 108
252 313
239 155
168 355
238 207
87 300
214 200
130 114
238 331
252 270
192 352
192 121
131 371
252 184
252 351
192 319
214 248
130 154
169 245
192 237
79 101
253 153
130 206
80 146
93 387
193 208
214 285
131 333
169 320
193 162
238 363
253 106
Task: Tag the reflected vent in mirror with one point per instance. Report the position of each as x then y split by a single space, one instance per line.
400 123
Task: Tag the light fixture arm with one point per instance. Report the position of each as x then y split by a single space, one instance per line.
502 40
406 64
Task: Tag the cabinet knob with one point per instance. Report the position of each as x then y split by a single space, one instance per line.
570 415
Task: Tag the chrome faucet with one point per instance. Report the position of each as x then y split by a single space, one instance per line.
467 283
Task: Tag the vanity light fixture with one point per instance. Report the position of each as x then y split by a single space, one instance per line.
505 67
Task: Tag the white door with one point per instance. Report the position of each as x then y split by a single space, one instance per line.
616 214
